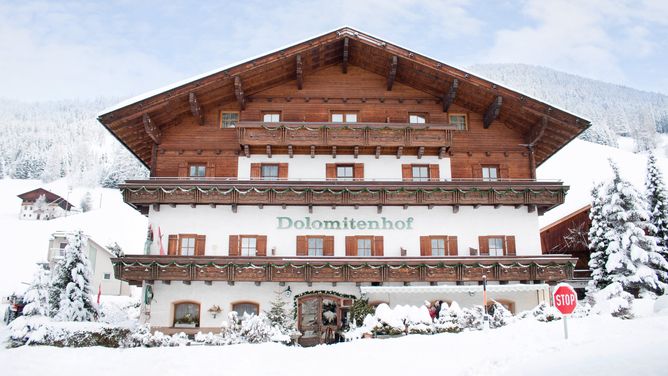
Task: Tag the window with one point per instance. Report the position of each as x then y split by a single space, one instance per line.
417 118
107 275
420 173
363 247
186 315
495 245
344 117
61 249
315 246
187 245
197 171
229 119
248 246
490 173
438 247
246 308
271 117
344 172
269 172
459 121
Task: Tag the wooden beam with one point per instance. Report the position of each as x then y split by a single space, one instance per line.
269 151
239 92
492 112
344 64
400 151
537 131
290 151
312 151
152 129
333 151
356 151
392 73
455 209
420 152
195 108
441 152
449 97
377 152
247 151
300 72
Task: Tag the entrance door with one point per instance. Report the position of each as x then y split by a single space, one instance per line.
319 318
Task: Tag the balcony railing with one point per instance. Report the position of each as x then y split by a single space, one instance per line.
136 269
541 195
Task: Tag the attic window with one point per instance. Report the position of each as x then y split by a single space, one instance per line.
229 119
459 121
271 117
414 118
344 117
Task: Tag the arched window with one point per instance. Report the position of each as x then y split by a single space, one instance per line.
249 308
186 315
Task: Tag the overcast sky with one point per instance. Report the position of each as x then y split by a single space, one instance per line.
85 49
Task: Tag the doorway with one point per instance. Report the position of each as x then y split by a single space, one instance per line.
319 319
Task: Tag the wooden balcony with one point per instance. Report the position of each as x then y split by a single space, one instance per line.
136 269
325 138
536 195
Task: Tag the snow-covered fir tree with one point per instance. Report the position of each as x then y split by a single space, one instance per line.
70 293
598 243
37 295
279 316
657 202
86 202
40 206
633 256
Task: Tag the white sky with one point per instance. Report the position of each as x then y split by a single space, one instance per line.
120 48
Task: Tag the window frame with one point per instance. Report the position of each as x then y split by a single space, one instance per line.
244 302
272 113
423 115
241 245
344 166
222 121
344 114
421 178
182 237
199 166
457 114
370 239
183 302
267 165
502 240
443 239
322 246
490 167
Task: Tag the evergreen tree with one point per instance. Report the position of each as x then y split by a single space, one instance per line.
70 294
657 201
633 256
37 295
86 202
279 316
41 206
598 243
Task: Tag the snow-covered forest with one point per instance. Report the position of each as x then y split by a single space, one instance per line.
51 140
614 110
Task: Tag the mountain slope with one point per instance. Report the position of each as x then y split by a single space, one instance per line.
612 109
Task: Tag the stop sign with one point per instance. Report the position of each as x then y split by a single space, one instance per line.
565 299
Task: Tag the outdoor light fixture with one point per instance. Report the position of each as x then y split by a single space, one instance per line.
287 291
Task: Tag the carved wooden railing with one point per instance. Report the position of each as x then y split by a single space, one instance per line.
135 269
535 194
345 134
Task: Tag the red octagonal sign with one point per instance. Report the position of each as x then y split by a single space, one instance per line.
565 299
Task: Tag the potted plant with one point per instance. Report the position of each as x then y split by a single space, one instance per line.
186 321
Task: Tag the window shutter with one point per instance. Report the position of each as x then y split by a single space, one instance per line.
328 246
425 246
302 246
172 245
510 246
351 246
234 246
330 171
283 171
211 169
200 242
255 171
434 173
452 246
261 245
406 172
377 246
358 171
484 245
183 169
503 171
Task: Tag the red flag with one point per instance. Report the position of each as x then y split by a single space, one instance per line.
162 250
99 292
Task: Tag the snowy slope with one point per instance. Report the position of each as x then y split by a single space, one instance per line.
26 242
580 164
596 346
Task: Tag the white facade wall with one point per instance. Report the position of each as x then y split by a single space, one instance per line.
469 223
303 167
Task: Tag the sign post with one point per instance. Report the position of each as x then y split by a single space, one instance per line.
565 300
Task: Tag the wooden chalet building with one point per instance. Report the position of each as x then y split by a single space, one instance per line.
339 167
52 207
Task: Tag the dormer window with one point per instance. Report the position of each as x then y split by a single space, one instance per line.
344 117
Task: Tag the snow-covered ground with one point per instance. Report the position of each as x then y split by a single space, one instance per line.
596 346
26 242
